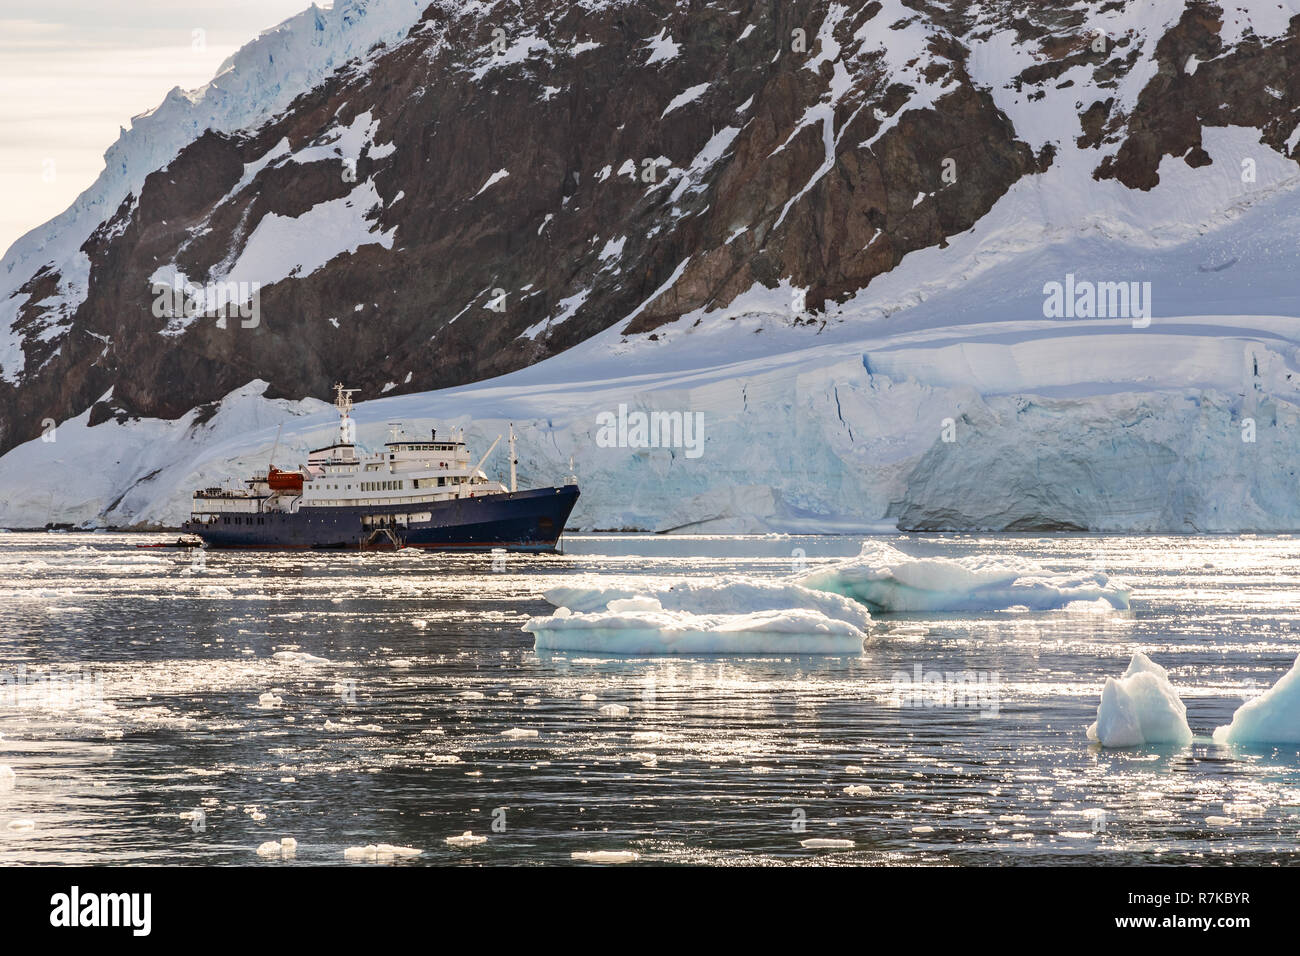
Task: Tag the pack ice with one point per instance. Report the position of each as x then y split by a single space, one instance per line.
1271 718
1140 708
887 580
727 617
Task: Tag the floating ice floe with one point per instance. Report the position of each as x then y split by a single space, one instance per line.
466 839
605 856
269 700
822 843
1140 708
519 733
1271 718
298 657
379 853
885 579
727 617
285 849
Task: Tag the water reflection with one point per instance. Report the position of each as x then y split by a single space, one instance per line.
345 700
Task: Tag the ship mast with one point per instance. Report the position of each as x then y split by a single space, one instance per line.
343 402
270 465
513 460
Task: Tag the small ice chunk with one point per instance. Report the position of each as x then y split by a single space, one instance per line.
285 849
269 700
379 853
466 839
615 710
1271 718
823 843
8 779
519 733
23 824
857 790
297 657
605 856
1140 708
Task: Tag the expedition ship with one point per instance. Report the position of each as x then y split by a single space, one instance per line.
415 493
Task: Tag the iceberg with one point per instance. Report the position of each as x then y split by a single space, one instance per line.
727 595
1140 708
1271 718
730 617
887 580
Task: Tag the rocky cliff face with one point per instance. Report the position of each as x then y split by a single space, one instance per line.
508 179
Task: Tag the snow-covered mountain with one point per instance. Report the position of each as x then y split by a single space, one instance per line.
830 231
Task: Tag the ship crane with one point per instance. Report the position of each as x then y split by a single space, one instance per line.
469 476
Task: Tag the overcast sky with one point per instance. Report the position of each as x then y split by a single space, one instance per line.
73 71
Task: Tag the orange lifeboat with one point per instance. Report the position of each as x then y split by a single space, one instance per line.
284 480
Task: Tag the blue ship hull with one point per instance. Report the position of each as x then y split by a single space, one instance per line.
517 521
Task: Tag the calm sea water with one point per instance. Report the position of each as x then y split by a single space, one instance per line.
418 721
